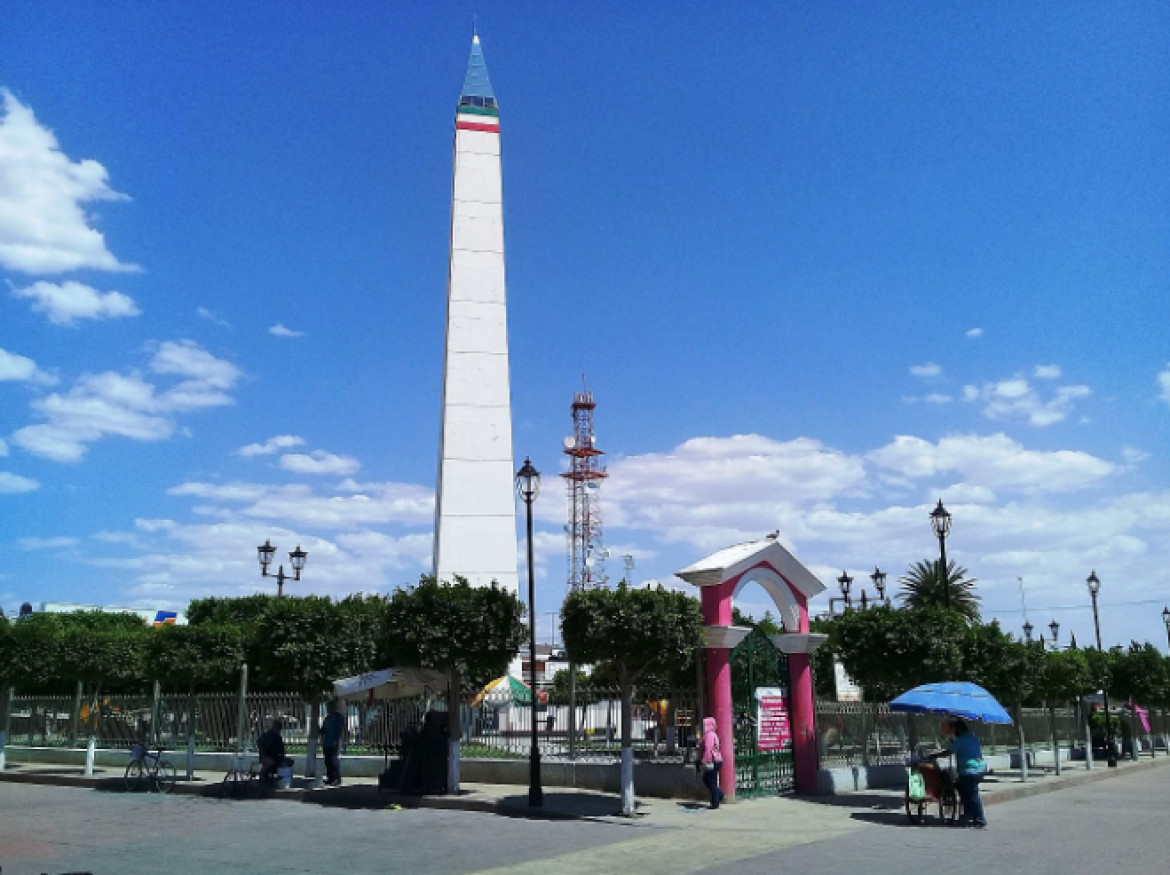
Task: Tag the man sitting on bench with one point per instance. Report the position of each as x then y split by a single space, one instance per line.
270 747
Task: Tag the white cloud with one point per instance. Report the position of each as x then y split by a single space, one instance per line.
992 462
67 302
356 505
20 369
1015 398
57 543
154 525
127 405
212 317
319 462
11 484
1047 372
280 331
1133 456
937 398
714 490
43 228
927 371
1164 384
270 446
974 333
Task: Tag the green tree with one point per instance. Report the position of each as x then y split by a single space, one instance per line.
471 632
923 586
888 651
636 630
245 611
204 658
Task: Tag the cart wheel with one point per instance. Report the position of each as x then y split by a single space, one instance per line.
915 810
948 807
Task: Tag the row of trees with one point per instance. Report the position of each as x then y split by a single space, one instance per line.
291 644
888 651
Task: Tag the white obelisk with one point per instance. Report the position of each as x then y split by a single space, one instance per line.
475 511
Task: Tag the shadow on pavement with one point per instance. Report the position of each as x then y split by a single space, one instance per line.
889 818
857 800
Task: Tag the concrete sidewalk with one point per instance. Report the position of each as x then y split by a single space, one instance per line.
561 802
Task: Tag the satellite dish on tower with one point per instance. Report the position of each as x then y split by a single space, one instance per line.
570 443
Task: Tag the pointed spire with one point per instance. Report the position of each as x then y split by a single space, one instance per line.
476 83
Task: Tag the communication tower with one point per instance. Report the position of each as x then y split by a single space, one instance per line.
587 555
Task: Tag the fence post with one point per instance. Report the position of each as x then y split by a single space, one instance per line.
572 710
7 725
1088 738
241 710
1055 740
154 714
75 717
192 705
1023 743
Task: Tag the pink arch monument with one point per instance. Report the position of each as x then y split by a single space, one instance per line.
720 577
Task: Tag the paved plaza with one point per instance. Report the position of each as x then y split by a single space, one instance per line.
1119 822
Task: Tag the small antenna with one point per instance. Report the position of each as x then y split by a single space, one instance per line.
474 25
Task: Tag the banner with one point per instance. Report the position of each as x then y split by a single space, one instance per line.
775 731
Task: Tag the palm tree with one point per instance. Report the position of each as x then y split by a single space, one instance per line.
923 586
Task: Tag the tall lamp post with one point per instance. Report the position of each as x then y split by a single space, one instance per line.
1054 628
846 581
1094 587
1166 620
527 487
879 583
296 559
1028 631
940 522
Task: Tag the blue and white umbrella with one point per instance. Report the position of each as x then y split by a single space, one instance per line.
957 698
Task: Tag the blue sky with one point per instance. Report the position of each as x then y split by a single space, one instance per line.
821 265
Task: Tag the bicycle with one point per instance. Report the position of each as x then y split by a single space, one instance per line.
146 766
244 780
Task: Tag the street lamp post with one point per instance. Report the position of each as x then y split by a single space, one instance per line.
940 522
846 581
527 487
1166 620
1028 631
1054 628
296 559
879 583
1094 587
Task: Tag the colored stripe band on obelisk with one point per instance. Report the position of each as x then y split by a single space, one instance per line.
477 126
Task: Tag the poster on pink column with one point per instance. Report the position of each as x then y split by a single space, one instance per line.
772 719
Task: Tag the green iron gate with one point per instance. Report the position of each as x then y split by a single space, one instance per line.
756 663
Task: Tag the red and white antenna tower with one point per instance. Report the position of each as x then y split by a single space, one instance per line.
587 555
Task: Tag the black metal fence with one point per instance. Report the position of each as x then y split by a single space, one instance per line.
491 725
868 733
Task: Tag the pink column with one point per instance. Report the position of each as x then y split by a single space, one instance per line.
803 712
717 612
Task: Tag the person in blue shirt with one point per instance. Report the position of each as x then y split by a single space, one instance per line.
331 729
971 768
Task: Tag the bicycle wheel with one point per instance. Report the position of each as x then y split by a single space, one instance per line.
233 783
164 778
948 807
915 810
134 775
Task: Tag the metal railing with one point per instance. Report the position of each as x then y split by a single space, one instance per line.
491 725
868 733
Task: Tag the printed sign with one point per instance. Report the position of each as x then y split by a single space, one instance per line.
775 731
847 689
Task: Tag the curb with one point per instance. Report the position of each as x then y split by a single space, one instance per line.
1104 773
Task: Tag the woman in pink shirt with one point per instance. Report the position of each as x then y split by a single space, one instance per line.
710 759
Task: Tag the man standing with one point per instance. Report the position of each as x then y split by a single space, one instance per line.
331 729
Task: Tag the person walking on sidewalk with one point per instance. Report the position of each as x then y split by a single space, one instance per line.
331 728
709 760
971 768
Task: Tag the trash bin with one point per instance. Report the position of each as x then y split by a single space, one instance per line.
284 776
